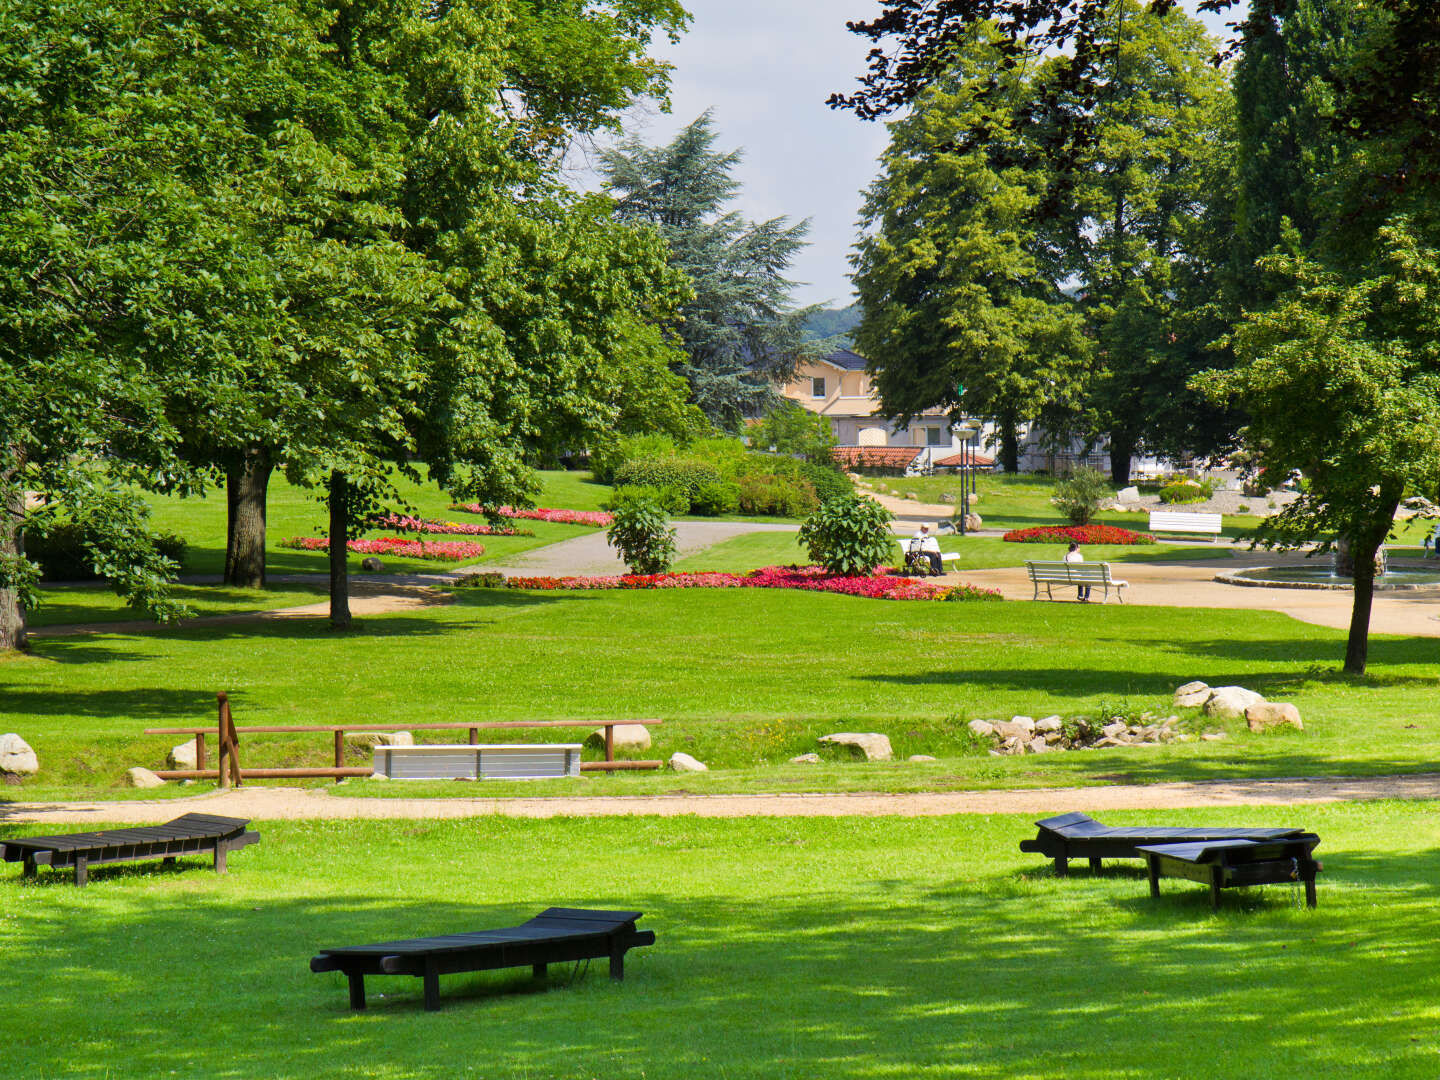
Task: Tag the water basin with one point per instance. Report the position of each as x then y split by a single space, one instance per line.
1322 577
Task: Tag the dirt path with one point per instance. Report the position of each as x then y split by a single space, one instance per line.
306 804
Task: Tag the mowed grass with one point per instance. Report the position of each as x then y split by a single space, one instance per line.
848 949
744 680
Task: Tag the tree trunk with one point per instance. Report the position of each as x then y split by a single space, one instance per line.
1122 449
339 569
1364 544
12 546
1009 446
246 483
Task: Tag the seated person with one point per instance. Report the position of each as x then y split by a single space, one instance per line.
927 546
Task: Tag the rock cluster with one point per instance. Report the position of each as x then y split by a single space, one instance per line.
1236 702
1024 735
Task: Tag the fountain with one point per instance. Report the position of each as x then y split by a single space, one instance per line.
1412 575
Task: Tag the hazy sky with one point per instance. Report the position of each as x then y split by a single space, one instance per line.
766 67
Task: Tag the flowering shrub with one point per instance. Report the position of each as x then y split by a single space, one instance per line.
596 518
405 523
399 546
1081 534
812 578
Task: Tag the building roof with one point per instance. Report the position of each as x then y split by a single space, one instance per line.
845 360
955 461
875 457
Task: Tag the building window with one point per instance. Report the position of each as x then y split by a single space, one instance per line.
817 387
932 436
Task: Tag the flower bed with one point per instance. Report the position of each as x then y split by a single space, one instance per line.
1081 534
405 523
598 519
402 547
882 586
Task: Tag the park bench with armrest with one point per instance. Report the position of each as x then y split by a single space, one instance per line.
916 560
1180 523
555 936
1092 575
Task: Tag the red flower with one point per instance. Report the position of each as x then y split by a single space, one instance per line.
1081 534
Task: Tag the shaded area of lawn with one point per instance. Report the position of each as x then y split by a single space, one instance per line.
97 604
852 949
744 680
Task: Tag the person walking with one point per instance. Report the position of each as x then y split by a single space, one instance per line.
1082 592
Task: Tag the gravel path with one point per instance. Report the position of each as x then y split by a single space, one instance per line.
307 804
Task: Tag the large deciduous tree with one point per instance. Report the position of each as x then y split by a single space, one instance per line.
740 332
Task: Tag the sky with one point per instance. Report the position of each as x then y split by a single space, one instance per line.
765 68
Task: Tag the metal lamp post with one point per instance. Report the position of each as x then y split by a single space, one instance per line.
967 430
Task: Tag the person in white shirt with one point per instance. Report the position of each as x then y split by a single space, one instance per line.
927 545
1082 592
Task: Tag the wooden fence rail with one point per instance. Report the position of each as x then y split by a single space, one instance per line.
229 771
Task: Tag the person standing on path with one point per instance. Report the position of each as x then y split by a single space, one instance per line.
1082 592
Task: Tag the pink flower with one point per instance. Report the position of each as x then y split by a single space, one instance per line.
596 518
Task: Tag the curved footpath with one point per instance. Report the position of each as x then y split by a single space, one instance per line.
308 804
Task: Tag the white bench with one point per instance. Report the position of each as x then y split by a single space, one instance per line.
1176 522
503 761
1075 574
945 556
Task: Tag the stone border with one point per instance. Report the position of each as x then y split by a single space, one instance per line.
1232 577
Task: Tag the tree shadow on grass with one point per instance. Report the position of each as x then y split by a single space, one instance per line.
998 975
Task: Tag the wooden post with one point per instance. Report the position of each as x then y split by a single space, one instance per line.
199 750
82 870
432 984
474 736
609 742
357 989
224 709
339 750
1152 867
1217 872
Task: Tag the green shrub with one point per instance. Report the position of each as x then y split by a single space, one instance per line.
488 579
714 498
608 457
828 481
641 535
849 535
790 428
671 500
62 556
774 496
1080 494
1186 491
684 474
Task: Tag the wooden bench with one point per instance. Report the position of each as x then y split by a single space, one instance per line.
555 936
1178 523
1224 864
915 560
187 835
500 761
1094 575
1077 836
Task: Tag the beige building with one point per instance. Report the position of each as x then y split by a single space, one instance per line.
838 387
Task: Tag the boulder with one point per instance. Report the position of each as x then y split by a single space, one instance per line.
973 522
685 763
1038 745
921 757
627 737
869 745
1008 729
1128 494
1115 729
16 756
947 499
1230 702
182 756
371 565
366 740
1047 725
142 778
1214 736
982 728
805 759
1192 695
1273 714
1014 745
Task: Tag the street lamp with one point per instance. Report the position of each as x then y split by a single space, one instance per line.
967 430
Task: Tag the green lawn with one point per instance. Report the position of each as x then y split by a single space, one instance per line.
96 604
844 949
745 680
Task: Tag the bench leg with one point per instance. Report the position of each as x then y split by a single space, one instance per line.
1152 869
1094 865
539 970
357 989
30 869
1310 890
1062 866
220 851
82 870
1215 873
431 979
617 962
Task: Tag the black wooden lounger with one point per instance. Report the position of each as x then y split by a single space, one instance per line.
1073 836
187 835
555 936
1224 864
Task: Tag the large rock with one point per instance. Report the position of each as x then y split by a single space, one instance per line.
685 763
1273 714
1192 695
182 756
805 759
973 522
1230 702
921 757
16 756
1128 494
142 778
371 565
367 740
867 744
981 729
627 737
1048 724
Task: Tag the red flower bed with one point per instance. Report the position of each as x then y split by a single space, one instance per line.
405 523
596 518
811 578
400 546
1081 534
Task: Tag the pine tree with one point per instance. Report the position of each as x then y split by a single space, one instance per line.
741 332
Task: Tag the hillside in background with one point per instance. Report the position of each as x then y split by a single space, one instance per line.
833 323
